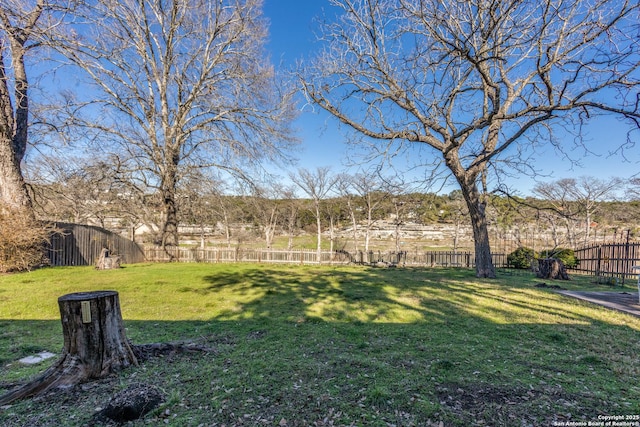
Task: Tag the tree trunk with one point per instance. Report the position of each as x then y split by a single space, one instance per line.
484 263
170 223
95 344
13 191
170 226
13 131
354 223
551 268
332 234
319 232
169 181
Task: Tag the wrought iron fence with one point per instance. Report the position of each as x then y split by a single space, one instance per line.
609 260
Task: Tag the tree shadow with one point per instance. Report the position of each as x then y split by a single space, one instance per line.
358 295
427 341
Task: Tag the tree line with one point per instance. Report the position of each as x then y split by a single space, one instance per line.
164 90
328 204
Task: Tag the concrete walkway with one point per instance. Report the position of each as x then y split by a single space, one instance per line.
621 301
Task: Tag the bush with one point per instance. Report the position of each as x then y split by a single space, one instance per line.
22 241
567 256
521 258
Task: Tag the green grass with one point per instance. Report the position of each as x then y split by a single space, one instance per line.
336 346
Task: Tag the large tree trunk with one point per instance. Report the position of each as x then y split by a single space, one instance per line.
170 211
13 191
13 136
170 226
477 213
95 344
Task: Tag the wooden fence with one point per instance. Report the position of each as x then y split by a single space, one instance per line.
218 255
609 260
75 244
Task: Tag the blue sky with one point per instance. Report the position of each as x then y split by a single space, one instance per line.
292 37
323 144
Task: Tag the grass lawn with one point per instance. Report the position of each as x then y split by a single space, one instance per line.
335 346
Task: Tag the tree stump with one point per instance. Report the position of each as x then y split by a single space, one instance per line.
106 261
95 344
551 268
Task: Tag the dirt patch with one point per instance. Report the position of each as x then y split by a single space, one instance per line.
489 404
544 285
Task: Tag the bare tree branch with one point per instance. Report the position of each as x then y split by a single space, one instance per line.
179 84
477 82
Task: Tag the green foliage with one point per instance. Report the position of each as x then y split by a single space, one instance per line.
567 256
521 258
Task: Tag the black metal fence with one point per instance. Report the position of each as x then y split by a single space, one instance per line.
431 258
76 244
609 260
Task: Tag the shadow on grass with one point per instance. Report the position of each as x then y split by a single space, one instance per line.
366 347
330 295
381 296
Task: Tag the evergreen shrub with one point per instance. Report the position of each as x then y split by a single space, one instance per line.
521 258
567 256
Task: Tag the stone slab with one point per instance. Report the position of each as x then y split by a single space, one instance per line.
37 358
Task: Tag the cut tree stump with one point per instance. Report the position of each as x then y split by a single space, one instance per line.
552 268
106 261
95 344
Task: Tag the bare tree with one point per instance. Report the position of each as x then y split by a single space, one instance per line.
73 189
227 210
19 34
557 195
291 209
91 191
266 210
633 189
372 191
178 84
576 200
456 212
478 84
334 211
344 186
588 192
317 185
196 198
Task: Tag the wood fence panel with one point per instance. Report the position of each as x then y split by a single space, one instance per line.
217 255
76 244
